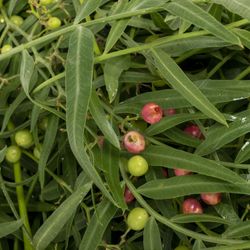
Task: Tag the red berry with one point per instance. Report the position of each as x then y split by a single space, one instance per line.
169 111
191 206
211 198
180 171
134 142
128 196
194 131
164 172
151 113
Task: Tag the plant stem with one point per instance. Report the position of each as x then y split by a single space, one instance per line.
22 205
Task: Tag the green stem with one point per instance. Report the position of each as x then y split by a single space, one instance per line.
22 205
172 225
234 247
243 73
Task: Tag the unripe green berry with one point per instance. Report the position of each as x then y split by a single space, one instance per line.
6 48
17 20
2 19
53 23
137 218
137 165
43 124
13 154
182 248
37 152
24 138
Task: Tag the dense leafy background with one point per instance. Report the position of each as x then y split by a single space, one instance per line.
89 79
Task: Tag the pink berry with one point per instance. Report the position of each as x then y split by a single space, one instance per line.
211 198
134 142
164 172
128 196
191 206
180 171
194 131
169 111
151 113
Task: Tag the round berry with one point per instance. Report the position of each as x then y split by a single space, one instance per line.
2 19
6 48
24 138
169 111
134 142
137 165
46 2
128 196
181 247
180 172
17 20
211 198
191 206
164 172
194 131
137 218
151 113
53 23
13 154
43 124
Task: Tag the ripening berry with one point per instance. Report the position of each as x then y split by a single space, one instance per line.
194 131
128 196
151 113
169 111
191 206
164 172
180 172
211 198
134 142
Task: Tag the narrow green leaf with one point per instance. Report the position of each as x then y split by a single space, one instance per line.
244 36
239 7
172 73
227 211
217 137
171 121
179 186
48 143
112 72
87 8
97 226
199 17
101 120
239 230
244 153
110 168
191 218
56 221
79 71
166 156
151 235
9 227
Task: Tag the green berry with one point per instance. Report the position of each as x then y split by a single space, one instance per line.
2 19
43 124
24 138
182 248
6 48
137 218
37 152
13 154
137 165
53 23
17 20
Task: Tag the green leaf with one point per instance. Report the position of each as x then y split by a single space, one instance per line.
171 121
2 153
244 153
194 14
217 137
239 7
87 8
56 221
173 74
110 168
244 36
151 235
112 72
166 156
97 226
239 230
78 80
9 227
101 120
47 146
179 186
191 218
